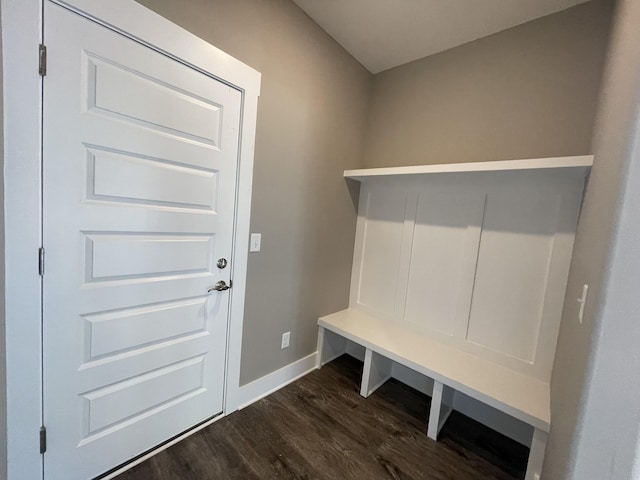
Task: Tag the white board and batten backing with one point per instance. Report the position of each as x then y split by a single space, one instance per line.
459 274
475 259
22 29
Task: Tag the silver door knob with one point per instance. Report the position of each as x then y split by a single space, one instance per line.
220 286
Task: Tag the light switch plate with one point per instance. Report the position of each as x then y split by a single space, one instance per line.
255 242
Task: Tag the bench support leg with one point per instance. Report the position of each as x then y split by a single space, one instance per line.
441 402
330 346
536 455
377 370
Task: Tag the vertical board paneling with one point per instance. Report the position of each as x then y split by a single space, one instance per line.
478 260
513 267
443 260
382 249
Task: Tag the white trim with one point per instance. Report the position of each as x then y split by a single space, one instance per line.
241 250
21 30
581 163
157 31
262 387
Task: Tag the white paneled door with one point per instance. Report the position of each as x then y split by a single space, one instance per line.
140 159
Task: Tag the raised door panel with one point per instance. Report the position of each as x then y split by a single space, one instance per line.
117 91
114 177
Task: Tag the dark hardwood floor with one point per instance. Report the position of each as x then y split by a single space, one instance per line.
320 428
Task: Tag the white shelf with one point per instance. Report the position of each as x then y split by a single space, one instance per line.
514 393
581 163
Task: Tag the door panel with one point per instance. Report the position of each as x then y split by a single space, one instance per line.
140 159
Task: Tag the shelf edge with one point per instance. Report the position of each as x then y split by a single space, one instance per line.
580 162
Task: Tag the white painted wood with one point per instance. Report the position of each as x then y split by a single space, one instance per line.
518 395
579 164
493 418
442 264
434 411
453 371
124 16
475 267
124 255
22 27
356 268
377 370
167 185
320 347
121 330
441 408
470 407
512 272
161 448
106 256
330 346
404 260
414 379
447 403
116 403
264 386
21 33
126 95
356 351
536 454
381 249
481 262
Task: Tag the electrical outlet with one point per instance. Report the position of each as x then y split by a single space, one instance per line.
285 340
255 242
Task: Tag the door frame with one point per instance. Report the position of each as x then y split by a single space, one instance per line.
22 31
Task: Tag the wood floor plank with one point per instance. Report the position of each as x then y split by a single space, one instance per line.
319 427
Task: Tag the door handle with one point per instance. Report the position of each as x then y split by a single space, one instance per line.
220 286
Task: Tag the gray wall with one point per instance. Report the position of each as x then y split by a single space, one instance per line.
311 126
3 376
527 92
595 392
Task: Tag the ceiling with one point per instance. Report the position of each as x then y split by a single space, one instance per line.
382 34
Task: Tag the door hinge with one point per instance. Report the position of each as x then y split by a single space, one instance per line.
43 440
41 261
42 63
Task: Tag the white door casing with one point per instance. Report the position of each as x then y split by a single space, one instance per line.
21 28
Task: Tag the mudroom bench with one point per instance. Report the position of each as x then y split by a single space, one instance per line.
515 394
459 276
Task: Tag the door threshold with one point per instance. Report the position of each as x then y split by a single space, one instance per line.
138 459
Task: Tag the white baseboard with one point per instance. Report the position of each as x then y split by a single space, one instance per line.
260 388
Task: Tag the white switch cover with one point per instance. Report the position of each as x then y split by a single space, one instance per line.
582 301
256 240
285 340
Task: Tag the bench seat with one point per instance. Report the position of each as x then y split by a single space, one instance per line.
523 397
